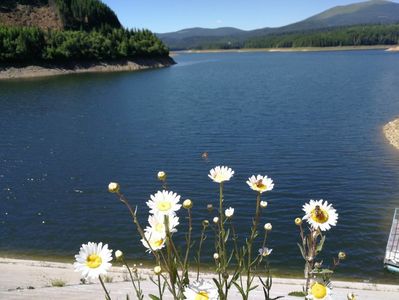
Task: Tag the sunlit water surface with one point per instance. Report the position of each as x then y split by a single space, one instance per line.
311 121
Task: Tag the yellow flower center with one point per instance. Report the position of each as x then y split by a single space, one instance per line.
259 185
202 295
164 205
93 261
156 244
318 291
159 227
319 215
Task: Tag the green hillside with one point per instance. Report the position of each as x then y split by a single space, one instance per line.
375 12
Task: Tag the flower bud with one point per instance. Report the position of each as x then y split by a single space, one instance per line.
341 255
317 265
187 204
215 220
215 256
161 175
205 223
157 270
268 227
229 212
209 207
118 254
351 296
225 275
263 204
298 221
113 187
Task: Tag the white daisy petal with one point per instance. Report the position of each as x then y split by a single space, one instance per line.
93 259
320 215
221 174
260 183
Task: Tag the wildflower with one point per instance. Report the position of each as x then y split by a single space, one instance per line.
265 251
155 241
187 204
215 256
263 204
342 255
161 175
260 183
157 224
268 227
201 290
229 212
164 203
215 220
298 221
220 174
93 260
113 187
319 291
157 270
118 254
320 215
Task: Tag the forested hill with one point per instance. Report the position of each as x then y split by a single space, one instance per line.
60 31
367 14
58 14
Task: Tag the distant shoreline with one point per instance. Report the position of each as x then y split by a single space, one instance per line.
301 49
43 70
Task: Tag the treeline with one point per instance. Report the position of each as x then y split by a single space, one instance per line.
360 35
345 36
25 45
86 14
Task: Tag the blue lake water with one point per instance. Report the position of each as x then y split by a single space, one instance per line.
311 121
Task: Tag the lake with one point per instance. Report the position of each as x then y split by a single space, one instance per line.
311 121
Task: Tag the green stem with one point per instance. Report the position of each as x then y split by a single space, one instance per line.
199 250
107 296
137 290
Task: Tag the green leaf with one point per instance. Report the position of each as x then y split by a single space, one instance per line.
321 244
302 251
153 297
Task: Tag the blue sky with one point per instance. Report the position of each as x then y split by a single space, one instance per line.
171 15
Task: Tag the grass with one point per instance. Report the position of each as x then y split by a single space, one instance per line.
108 279
58 283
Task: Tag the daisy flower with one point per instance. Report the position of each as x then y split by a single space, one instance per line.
93 260
260 183
157 224
155 240
220 174
265 251
201 290
320 215
164 203
319 291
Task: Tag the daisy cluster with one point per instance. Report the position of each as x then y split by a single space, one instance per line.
163 207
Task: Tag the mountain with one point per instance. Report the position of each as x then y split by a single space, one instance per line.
57 14
363 13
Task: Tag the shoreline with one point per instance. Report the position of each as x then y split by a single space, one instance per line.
29 279
391 132
8 72
301 49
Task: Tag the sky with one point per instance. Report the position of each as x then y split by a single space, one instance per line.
172 15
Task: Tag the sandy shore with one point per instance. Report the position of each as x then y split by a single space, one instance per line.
14 72
393 49
29 279
302 49
391 131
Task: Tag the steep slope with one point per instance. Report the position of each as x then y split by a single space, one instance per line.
57 14
369 12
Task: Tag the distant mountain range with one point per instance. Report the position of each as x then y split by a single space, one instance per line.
364 13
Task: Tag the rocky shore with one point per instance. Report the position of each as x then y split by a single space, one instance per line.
391 131
43 70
